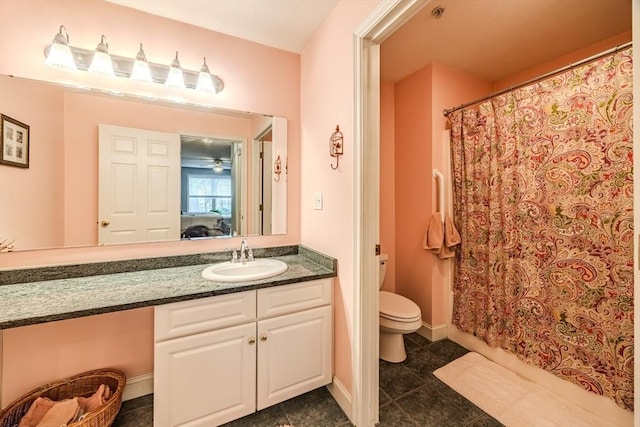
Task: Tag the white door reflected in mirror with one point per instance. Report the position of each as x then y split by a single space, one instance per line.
139 185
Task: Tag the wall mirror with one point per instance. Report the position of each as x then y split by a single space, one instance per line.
225 184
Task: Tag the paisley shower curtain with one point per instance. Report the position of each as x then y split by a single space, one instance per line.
543 199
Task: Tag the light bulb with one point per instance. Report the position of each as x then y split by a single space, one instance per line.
140 70
205 82
60 55
101 64
175 77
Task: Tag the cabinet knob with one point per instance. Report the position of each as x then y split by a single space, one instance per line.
252 341
104 223
263 338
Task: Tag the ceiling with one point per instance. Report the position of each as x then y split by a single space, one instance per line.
283 24
493 39
489 38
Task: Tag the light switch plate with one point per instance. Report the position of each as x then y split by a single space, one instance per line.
317 201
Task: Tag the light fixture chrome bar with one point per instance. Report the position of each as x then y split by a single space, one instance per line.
123 67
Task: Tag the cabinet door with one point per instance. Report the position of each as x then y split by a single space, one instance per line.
294 355
205 379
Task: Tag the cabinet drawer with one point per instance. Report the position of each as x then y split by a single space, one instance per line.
291 298
191 317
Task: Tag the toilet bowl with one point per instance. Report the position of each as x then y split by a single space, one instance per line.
398 316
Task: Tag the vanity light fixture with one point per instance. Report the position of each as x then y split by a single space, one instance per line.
175 77
277 169
336 146
61 55
217 166
141 71
101 63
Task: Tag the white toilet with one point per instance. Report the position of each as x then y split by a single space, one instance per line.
398 316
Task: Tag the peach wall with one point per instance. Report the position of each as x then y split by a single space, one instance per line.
249 86
413 187
419 125
327 100
34 221
450 87
35 355
387 183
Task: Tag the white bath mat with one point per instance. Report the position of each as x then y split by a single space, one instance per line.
511 399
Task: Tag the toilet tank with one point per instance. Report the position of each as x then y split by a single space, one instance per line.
383 268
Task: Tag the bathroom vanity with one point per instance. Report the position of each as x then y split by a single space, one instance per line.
223 357
221 350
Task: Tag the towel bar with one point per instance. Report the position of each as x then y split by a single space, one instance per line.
440 181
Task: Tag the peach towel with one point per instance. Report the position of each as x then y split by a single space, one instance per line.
45 412
440 238
434 234
61 413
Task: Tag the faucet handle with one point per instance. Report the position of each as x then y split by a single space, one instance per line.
250 256
234 256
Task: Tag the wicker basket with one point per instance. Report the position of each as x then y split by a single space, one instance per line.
84 384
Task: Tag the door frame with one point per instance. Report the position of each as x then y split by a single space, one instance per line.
367 38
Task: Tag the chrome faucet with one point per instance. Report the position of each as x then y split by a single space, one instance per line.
246 253
243 248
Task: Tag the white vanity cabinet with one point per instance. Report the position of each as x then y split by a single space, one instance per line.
205 360
223 357
295 344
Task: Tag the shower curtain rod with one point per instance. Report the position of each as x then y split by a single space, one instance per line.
541 77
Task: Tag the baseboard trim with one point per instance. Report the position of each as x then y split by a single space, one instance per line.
342 396
138 386
433 333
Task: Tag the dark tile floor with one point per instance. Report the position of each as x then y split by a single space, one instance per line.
409 396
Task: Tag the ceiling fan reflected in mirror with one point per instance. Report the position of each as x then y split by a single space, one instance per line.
216 164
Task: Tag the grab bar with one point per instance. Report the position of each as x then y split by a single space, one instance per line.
440 178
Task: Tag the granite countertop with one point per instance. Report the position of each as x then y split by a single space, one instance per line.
35 302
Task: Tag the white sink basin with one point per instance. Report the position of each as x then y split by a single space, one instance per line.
261 268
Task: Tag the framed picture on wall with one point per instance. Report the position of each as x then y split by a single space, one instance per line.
14 145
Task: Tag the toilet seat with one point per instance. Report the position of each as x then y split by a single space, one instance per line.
397 308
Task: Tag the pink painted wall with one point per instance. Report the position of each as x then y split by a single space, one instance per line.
387 183
249 86
34 221
327 100
450 87
419 126
34 355
413 161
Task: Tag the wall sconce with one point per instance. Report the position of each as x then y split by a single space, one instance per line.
277 169
336 146
61 55
217 166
